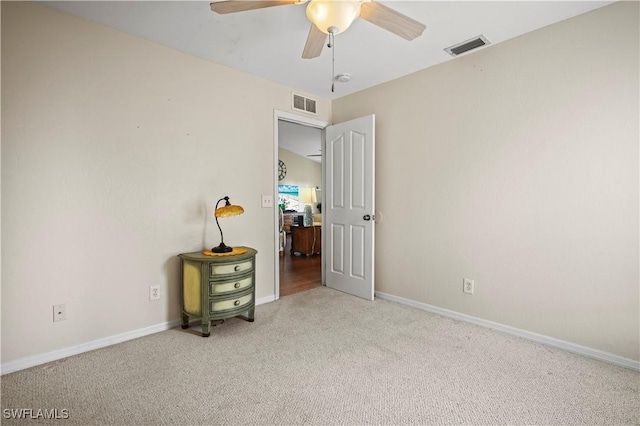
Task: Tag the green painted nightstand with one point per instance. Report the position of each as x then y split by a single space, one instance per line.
217 287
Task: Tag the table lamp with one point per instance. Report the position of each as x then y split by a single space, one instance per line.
227 210
308 195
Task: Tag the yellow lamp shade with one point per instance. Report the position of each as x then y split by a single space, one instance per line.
228 211
307 195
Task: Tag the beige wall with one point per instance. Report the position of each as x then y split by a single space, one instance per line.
517 166
114 152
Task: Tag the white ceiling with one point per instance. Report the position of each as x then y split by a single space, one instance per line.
269 42
302 140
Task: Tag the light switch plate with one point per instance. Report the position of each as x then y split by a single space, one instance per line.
267 201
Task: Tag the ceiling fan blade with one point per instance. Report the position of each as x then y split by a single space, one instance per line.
232 6
387 18
315 43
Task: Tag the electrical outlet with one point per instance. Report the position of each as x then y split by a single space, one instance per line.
59 312
467 286
154 292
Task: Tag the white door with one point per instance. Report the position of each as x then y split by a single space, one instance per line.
348 207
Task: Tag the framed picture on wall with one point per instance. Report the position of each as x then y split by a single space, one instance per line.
289 195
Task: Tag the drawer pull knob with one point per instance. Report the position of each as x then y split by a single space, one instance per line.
236 285
236 303
237 268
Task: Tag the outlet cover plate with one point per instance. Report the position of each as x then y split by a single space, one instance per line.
468 286
154 292
59 312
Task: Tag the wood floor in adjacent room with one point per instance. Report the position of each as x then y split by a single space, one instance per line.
299 273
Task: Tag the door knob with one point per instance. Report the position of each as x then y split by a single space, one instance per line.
366 217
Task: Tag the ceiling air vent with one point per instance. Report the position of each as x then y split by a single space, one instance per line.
302 103
468 45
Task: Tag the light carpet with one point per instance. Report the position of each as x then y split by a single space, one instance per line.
323 357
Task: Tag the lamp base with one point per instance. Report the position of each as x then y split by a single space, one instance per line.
222 248
308 216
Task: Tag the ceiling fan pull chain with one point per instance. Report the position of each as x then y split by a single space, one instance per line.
333 60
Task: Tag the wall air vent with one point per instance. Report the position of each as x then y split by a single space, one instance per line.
468 45
301 103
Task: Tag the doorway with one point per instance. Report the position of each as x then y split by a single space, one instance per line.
299 140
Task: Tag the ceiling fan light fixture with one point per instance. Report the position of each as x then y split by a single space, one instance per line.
338 14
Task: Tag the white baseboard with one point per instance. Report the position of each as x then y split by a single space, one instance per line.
32 361
267 299
35 360
534 337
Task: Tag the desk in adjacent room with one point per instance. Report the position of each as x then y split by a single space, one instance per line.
306 240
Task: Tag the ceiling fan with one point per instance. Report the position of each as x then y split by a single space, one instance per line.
331 17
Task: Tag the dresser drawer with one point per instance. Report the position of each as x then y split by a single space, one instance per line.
216 287
217 269
237 303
